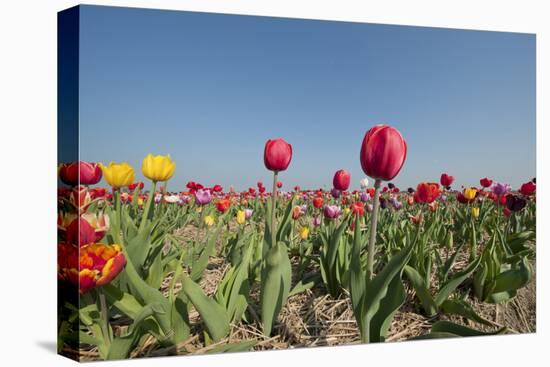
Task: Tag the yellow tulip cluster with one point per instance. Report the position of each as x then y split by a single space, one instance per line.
156 168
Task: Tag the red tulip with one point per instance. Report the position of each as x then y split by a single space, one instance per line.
217 188
485 182
222 205
261 189
296 188
135 185
426 192
528 188
446 180
318 202
341 180
383 152
279 184
277 155
82 173
358 208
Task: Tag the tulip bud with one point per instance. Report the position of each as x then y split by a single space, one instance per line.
383 152
277 155
446 180
341 180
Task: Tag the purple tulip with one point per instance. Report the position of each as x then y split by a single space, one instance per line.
158 198
332 211
364 197
335 193
500 188
317 221
203 197
370 208
248 213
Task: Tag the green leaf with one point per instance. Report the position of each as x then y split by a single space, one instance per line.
233 347
460 330
422 291
124 302
202 262
464 309
513 279
212 314
449 286
389 304
275 286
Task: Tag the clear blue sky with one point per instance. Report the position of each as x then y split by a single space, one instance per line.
210 89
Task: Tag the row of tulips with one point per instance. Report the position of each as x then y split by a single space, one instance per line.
123 252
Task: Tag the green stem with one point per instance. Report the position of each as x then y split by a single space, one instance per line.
148 205
104 313
273 210
373 224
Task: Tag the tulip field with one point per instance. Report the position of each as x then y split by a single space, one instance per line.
175 268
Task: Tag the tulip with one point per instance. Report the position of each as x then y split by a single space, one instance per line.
335 193
426 192
158 168
485 182
203 197
383 203
515 203
118 174
304 232
99 265
248 213
80 173
318 202
80 232
135 185
217 188
370 208
358 208
475 212
209 220
507 212
317 221
364 183
446 180
279 184
500 188
332 211
470 193
364 196
277 155
296 212
241 217
383 152
223 205
462 199
410 190
528 188
341 180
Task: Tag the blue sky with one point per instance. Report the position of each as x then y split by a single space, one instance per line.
210 89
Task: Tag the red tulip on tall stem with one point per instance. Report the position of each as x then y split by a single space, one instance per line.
277 156
383 153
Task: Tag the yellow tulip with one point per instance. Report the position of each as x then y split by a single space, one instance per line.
470 193
158 168
304 232
209 220
475 212
347 210
118 174
241 217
